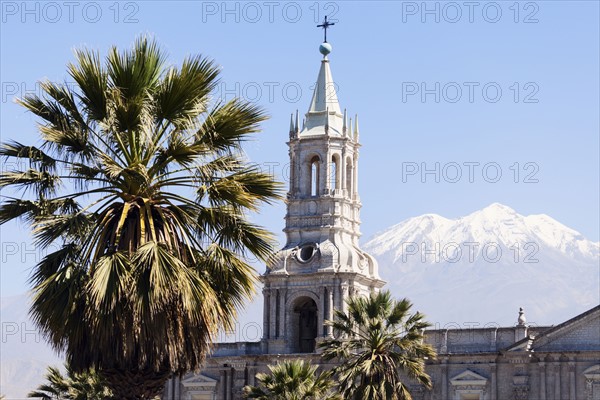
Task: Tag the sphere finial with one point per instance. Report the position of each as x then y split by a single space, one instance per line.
325 48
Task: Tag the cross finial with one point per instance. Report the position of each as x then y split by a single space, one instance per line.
326 24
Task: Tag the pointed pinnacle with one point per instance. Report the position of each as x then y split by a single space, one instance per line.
292 123
297 122
356 126
345 123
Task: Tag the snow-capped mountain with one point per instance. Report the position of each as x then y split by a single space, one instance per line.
482 267
473 271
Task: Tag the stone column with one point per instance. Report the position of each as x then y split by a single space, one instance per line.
293 183
282 327
321 312
557 394
170 389
223 382
330 311
177 387
494 383
355 177
444 369
251 375
342 173
344 296
572 382
336 295
444 345
325 173
266 315
229 383
273 312
542 366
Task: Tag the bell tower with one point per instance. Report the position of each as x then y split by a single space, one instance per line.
321 264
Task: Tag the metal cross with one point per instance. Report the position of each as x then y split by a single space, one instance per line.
326 24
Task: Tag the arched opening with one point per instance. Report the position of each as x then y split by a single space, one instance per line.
305 325
349 176
314 176
334 177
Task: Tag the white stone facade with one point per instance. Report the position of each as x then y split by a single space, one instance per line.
322 264
549 363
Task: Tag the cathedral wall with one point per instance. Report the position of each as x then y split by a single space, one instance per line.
492 376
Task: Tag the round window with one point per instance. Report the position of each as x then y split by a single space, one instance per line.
306 253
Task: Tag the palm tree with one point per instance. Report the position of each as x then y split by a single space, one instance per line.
56 387
75 386
293 380
377 339
141 190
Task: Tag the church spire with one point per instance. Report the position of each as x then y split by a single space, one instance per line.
321 264
324 114
324 95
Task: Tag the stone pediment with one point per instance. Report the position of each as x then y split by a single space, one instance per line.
199 381
468 378
579 333
592 373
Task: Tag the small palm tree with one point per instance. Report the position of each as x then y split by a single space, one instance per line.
141 190
293 380
377 339
87 385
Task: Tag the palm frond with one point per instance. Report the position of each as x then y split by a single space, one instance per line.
141 189
378 338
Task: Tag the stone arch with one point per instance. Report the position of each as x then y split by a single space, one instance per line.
302 321
313 165
301 293
335 170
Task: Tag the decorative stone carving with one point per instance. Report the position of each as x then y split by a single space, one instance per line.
592 382
520 387
468 382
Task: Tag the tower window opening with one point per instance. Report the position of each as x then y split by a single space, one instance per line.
314 176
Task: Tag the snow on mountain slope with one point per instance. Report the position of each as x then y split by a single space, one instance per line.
472 271
484 266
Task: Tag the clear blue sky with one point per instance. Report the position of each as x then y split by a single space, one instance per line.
390 61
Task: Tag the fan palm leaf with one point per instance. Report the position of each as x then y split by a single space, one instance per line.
377 340
139 194
293 380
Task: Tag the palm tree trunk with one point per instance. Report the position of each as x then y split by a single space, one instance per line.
136 384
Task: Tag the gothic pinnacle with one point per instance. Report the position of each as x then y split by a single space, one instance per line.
292 130
297 122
